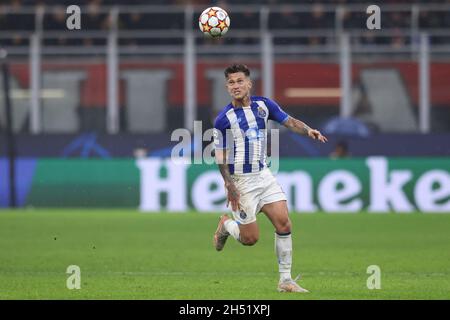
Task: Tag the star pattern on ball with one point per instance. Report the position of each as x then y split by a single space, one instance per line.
206 27
212 13
214 22
222 25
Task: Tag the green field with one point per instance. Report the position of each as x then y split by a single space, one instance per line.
130 255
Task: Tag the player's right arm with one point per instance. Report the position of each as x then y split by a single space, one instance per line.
232 192
221 148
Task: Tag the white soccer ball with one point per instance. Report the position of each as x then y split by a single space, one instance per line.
214 22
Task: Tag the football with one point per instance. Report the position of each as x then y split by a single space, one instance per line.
214 22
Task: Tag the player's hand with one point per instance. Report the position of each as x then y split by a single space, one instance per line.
316 135
233 196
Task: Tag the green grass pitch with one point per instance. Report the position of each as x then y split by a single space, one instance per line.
124 254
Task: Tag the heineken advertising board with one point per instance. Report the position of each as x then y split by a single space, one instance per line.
374 184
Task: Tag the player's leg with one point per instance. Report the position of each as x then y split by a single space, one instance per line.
245 217
278 214
243 226
245 233
249 233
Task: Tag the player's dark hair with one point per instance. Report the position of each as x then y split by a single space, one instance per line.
235 68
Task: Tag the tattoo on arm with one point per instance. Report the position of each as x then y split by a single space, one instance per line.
229 184
221 159
305 128
225 172
297 126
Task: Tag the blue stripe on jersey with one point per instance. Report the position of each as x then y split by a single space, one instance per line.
231 165
243 124
261 126
232 144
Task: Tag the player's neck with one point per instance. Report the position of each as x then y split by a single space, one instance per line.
244 102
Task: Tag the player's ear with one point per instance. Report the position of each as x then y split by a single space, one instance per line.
250 83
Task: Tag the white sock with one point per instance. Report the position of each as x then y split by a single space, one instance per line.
283 249
233 229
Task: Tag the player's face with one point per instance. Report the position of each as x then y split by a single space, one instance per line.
238 85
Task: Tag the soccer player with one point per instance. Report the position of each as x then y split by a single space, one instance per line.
240 134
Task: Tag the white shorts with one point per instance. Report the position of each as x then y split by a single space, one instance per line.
256 190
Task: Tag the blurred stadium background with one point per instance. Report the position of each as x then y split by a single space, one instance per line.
93 110
135 72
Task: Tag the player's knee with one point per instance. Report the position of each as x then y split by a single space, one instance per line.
284 226
249 241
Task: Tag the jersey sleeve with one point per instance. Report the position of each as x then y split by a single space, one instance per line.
275 112
221 125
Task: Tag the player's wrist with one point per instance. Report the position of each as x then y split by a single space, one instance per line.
307 131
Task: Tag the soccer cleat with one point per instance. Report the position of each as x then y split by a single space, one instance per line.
221 235
290 285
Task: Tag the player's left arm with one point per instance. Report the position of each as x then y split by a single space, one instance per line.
302 128
295 125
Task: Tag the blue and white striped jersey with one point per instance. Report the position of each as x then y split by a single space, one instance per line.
243 132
